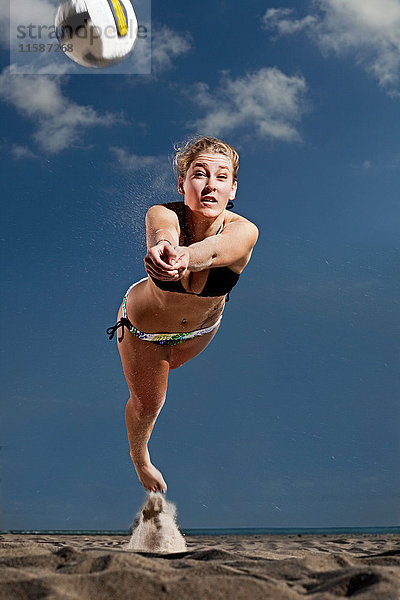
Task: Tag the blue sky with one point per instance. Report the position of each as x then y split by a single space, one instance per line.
290 418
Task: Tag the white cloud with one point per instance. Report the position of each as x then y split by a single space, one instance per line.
24 11
267 101
167 45
367 30
367 165
21 152
59 121
277 18
390 163
134 162
35 11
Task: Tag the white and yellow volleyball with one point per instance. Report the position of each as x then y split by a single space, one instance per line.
96 33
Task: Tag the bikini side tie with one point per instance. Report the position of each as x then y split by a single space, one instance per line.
123 322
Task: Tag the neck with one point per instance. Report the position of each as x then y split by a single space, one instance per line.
199 228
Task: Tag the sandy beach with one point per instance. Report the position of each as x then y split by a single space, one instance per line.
252 567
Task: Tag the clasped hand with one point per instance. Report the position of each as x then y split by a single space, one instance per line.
166 262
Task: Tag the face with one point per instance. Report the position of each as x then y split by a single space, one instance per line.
208 185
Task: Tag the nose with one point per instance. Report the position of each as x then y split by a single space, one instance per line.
210 186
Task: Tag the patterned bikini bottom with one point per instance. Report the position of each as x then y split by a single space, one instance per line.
168 339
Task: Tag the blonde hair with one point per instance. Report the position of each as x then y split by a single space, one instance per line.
187 152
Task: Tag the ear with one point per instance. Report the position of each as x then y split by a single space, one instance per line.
234 190
180 185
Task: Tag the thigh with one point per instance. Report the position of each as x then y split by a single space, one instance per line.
145 365
181 353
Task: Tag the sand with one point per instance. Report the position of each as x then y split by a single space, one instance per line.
82 567
155 528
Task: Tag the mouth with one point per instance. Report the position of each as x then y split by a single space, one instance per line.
208 199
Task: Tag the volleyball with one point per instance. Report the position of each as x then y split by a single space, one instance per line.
96 33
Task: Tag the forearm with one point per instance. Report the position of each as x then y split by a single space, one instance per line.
202 254
161 224
156 236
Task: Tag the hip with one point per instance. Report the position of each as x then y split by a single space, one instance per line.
169 338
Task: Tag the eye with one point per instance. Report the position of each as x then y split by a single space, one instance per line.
199 173
222 177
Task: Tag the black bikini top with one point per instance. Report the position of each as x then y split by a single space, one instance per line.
219 282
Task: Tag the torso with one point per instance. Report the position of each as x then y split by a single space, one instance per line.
189 307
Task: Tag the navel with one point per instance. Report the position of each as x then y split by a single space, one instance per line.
184 321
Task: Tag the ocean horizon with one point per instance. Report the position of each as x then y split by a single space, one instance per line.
222 531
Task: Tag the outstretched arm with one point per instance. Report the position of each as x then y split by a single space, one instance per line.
166 260
233 245
161 224
162 234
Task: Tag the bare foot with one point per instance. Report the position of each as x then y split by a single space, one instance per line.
150 478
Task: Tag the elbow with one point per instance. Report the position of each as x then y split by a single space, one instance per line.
216 260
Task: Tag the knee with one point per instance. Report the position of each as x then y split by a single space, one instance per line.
149 407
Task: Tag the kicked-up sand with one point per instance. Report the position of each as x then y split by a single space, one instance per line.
155 528
248 567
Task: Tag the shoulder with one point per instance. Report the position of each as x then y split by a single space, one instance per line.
240 226
164 212
164 209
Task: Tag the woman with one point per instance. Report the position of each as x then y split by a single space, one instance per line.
196 251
